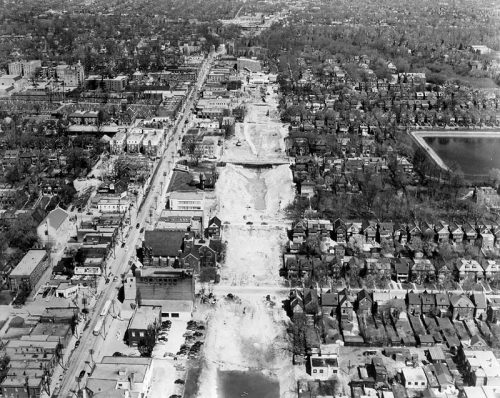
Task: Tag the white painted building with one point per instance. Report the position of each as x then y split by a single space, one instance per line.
118 204
192 200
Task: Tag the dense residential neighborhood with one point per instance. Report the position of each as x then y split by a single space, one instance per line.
250 199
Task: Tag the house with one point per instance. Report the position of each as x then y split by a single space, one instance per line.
329 303
491 269
120 377
318 227
493 310
461 307
369 229
442 232
414 378
414 231
354 227
364 302
422 270
428 232
485 238
479 300
345 305
469 269
296 303
470 234
385 232
401 233
402 269
144 317
307 189
442 304
118 142
311 301
414 303
428 303
55 229
456 232
214 228
339 231
324 366
28 271
200 253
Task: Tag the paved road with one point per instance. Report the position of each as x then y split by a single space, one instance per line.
119 263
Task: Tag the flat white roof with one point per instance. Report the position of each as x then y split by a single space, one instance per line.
28 263
187 195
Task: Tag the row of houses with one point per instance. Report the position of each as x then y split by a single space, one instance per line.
34 349
486 234
343 305
148 141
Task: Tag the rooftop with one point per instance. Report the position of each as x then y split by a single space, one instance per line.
28 263
145 316
184 195
56 217
414 374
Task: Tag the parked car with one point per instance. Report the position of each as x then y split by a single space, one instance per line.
137 225
142 230
179 381
82 374
77 343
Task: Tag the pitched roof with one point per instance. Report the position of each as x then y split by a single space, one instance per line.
215 245
479 300
164 243
216 221
461 301
362 294
56 217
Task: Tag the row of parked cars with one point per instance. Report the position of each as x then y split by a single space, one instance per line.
165 328
195 332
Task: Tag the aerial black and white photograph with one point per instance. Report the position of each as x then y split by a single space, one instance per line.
249 199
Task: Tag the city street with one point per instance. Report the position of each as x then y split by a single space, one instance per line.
119 263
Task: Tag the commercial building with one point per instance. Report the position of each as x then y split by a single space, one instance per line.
29 270
414 378
116 84
113 204
71 75
170 288
181 220
120 377
191 200
482 367
24 68
143 318
325 366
